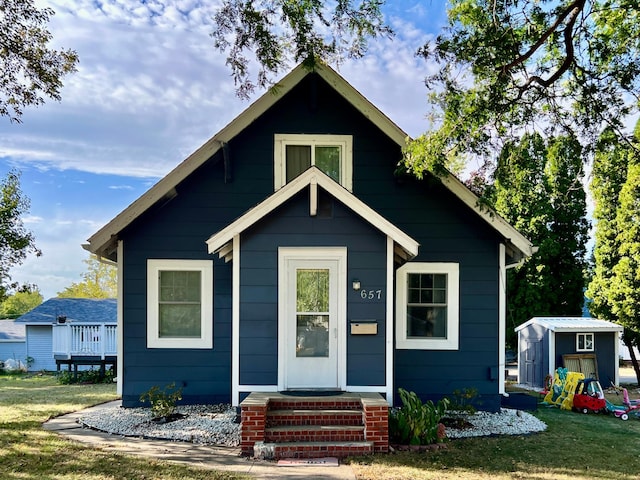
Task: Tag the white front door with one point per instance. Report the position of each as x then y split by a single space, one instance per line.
312 293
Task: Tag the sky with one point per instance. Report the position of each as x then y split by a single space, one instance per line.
149 90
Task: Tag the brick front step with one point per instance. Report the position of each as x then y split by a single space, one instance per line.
315 403
314 433
274 451
314 417
276 425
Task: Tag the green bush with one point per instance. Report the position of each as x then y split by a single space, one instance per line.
416 423
163 402
67 377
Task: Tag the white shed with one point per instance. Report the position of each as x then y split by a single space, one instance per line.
586 345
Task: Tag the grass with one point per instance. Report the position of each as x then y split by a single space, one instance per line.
575 446
29 452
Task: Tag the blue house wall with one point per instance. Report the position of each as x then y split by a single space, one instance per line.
291 226
205 203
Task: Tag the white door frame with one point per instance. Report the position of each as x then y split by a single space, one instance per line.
338 254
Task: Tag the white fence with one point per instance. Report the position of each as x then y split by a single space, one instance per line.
96 340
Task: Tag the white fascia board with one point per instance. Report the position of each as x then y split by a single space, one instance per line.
289 190
586 329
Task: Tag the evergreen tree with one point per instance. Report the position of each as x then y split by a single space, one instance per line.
538 189
611 286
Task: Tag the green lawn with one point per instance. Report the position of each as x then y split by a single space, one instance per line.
29 452
575 446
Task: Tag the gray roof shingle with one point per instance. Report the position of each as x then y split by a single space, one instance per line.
77 310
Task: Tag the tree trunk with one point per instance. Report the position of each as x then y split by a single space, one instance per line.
634 361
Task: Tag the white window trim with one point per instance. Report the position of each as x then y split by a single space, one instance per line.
593 342
453 307
154 266
282 140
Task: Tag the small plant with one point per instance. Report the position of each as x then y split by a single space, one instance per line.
417 423
463 400
163 402
29 361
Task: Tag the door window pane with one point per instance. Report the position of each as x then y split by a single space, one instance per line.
312 290
179 304
312 336
312 313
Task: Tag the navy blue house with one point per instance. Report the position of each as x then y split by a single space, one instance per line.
288 253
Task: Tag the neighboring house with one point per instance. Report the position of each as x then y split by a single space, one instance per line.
585 345
289 253
12 341
71 331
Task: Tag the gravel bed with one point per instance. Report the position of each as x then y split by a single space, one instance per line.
201 424
505 422
217 424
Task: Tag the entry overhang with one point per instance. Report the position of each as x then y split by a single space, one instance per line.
405 247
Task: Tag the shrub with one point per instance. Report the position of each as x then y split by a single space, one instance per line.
416 423
163 402
463 400
67 377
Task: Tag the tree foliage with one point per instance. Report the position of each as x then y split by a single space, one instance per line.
21 302
307 31
615 281
30 69
538 189
514 66
99 281
16 242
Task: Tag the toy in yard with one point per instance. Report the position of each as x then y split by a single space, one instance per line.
628 407
589 397
563 388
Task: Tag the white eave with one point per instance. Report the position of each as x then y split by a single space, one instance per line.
220 243
572 324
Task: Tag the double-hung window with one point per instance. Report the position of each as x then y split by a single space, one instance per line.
296 153
427 309
585 342
179 304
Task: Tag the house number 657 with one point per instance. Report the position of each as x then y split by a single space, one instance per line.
371 294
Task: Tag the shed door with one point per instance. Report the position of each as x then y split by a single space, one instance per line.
533 363
310 323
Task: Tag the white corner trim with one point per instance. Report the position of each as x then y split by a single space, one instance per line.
389 322
552 353
235 322
502 316
120 319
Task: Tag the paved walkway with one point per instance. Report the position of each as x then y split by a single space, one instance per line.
204 456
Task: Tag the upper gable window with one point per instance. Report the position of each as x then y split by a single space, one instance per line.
333 154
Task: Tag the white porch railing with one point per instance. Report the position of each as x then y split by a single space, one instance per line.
87 339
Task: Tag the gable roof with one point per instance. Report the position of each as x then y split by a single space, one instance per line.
572 324
10 331
76 310
406 247
104 242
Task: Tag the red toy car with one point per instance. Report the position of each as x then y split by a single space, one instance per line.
589 397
